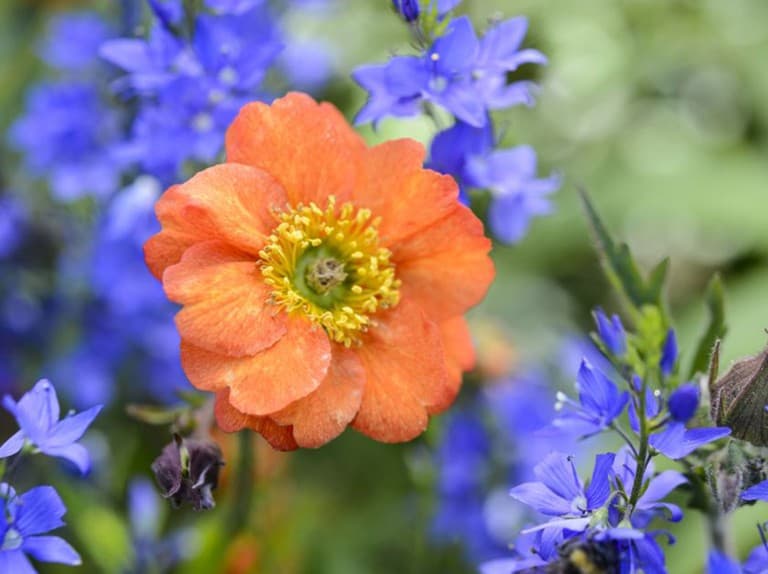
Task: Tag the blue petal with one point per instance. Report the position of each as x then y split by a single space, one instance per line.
660 486
51 549
75 453
12 445
38 410
462 100
599 488
71 428
719 563
501 42
676 442
40 510
683 402
558 473
452 148
14 562
757 492
540 498
456 50
128 54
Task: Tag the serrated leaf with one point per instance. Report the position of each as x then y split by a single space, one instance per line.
716 328
620 266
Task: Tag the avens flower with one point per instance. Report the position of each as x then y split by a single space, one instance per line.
323 282
37 414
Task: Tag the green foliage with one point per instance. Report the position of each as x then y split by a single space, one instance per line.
716 328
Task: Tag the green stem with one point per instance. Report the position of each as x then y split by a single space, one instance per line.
719 527
642 456
243 487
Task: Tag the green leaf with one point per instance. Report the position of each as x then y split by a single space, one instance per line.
154 415
104 536
620 266
716 328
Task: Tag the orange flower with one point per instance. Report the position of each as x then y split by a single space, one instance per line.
323 282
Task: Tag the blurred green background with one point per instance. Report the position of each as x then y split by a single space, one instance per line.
658 107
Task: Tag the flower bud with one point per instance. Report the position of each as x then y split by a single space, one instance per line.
683 402
739 397
188 471
408 9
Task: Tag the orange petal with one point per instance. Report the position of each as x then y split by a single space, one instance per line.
308 147
397 188
166 248
459 356
270 380
230 419
406 375
324 414
445 268
226 303
229 202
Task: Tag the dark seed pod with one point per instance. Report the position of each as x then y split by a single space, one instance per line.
738 399
188 471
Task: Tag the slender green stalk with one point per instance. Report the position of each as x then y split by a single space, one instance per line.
243 487
642 455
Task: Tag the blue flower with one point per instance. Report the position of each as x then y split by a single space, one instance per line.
611 332
73 41
518 194
460 73
683 402
600 403
668 354
655 488
37 414
189 91
66 134
22 520
560 492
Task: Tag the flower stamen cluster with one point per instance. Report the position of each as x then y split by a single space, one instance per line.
328 265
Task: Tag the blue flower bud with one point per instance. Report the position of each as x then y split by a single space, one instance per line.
668 354
408 9
611 332
683 402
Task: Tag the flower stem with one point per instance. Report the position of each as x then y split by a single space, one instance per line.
243 487
719 527
642 455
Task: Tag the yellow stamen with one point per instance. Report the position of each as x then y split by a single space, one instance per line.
327 265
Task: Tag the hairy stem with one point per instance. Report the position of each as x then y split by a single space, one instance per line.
719 527
642 455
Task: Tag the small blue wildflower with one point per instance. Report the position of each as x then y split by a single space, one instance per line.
23 518
460 73
600 403
532 550
168 12
611 332
37 414
652 404
65 135
683 402
655 488
73 41
668 354
757 561
518 194
560 492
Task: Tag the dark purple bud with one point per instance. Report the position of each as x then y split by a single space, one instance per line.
188 471
408 9
668 354
683 402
